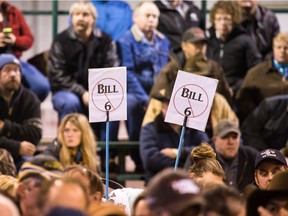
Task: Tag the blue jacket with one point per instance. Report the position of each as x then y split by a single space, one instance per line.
143 60
114 17
158 135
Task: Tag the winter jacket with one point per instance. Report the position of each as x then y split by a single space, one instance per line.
236 55
143 60
70 59
267 126
173 24
22 121
261 81
14 19
158 135
262 27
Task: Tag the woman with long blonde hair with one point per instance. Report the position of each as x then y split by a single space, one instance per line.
75 143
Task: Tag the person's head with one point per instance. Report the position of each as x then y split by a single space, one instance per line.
274 200
224 201
248 6
280 48
32 175
90 179
75 132
227 139
146 16
66 192
224 16
172 192
140 207
9 184
7 165
10 73
105 209
267 163
7 205
193 42
84 15
205 165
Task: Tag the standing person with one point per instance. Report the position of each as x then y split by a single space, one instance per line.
176 17
144 51
16 37
79 47
229 45
268 163
260 23
75 142
20 118
269 78
235 159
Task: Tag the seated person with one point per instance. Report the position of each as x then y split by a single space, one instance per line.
266 79
73 51
268 162
271 202
159 141
75 143
20 117
229 45
267 126
16 37
190 58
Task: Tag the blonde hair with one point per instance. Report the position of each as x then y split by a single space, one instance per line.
282 36
9 184
88 143
229 7
82 3
204 158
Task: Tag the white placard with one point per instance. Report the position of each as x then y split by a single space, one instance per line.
192 94
107 91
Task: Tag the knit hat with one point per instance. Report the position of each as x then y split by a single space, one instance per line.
194 35
8 58
173 191
270 154
45 166
278 188
225 127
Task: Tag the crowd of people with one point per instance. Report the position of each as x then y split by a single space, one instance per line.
236 167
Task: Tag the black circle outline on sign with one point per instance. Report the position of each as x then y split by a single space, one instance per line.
113 109
191 116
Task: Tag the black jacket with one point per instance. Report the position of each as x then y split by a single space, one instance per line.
172 24
22 121
236 55
70 59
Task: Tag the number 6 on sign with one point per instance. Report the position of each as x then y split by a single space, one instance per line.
107 92
192 97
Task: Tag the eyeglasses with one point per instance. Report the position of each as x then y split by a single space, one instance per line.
265 173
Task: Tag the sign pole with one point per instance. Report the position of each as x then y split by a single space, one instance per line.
180 142
107 154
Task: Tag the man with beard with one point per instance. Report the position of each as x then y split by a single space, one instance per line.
20 121
79 47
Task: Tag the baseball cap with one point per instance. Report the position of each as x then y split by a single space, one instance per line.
225 127
173 191
194 35
8 58
270 154
45 166
278 187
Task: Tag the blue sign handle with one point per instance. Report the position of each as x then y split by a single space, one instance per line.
180 143
107 156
